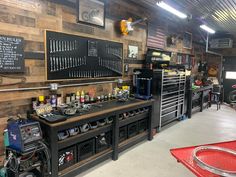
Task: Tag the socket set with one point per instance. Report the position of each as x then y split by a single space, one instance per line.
73 57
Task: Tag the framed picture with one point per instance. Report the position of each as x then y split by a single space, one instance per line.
187 40
133 51
91 12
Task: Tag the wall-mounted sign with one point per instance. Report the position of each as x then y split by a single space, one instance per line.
187 40
92 48
91 12
133 51
11 54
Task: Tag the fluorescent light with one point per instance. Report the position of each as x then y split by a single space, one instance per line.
171 9
208 29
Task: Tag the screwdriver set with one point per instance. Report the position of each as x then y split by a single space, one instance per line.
74 57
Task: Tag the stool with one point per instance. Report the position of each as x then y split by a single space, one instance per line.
215 95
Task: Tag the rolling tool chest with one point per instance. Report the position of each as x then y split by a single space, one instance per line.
119 126
169 95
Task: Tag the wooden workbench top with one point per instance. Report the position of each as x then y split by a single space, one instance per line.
112 107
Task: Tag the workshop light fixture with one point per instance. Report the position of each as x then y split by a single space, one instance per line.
171 9
208 29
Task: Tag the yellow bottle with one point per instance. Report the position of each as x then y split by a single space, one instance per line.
78 96
82 97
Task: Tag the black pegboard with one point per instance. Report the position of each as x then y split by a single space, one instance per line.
73 57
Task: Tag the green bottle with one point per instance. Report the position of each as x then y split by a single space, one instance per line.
6 138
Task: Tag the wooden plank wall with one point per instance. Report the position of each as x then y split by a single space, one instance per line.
29 19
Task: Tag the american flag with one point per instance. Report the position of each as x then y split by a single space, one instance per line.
156 37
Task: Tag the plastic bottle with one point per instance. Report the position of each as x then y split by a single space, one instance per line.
59 99
54 101
77 96
41 100
34 103
82 97
67 98
6 138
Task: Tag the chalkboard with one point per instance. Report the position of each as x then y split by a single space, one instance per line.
74 57
11 54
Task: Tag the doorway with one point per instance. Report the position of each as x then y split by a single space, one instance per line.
229 79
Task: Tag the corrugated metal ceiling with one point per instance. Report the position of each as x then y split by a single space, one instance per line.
219 14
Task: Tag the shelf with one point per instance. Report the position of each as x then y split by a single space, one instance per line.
174 83
205 105
132 141
169 113
164 94
172 97
85 164
133 119
172 107
169 121
83 136
196 109
164 103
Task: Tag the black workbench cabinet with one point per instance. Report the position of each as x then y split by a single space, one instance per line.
138 127
198 100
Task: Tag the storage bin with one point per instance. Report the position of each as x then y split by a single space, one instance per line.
132 129
142 125
66 158
123 134
86 149
103 142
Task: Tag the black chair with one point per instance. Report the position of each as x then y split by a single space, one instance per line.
215 95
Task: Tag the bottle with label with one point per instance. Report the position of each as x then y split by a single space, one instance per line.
54 101
82 97
47 100
77 96
72 97
109 96
34 103
87 98
59 99
41 100
67 98
6 138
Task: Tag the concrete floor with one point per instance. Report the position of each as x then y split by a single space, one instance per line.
153 159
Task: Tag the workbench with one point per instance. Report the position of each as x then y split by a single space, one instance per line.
109 109
198 99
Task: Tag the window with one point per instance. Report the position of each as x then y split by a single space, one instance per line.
230 75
